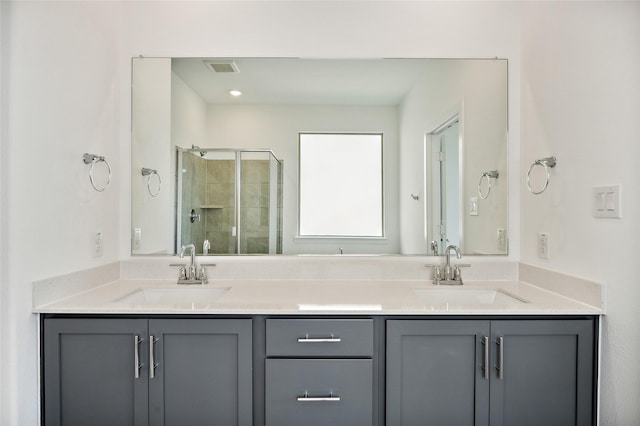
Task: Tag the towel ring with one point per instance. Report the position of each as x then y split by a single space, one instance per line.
546 163
148 173
493 174
93 159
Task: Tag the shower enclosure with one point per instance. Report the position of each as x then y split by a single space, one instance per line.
229 201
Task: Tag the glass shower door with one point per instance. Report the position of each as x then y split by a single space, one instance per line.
259 215
229 201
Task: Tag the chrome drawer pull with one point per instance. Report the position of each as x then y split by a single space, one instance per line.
485 362
136 355
152 360
307 339
307 398
500 366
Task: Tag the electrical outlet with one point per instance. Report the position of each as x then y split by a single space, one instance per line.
137 238
97 244
543 245
501 239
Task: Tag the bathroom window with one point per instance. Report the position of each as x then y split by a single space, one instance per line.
340 185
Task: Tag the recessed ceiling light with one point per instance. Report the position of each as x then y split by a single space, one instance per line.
235 92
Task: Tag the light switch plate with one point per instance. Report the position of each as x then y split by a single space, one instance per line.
606 201
473 206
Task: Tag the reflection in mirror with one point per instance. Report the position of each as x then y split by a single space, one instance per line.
179 103
229 201
444 176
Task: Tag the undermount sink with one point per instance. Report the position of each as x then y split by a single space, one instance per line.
468 296
174 296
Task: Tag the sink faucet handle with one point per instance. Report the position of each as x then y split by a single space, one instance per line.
182 273
202 275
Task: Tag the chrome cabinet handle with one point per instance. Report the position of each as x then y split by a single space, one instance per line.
500 365
152 361
307 339
485 361
307 398
136 355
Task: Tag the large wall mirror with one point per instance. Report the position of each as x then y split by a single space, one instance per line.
216 155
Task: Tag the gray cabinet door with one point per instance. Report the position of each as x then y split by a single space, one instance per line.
546 372
203 372
436 373
89 373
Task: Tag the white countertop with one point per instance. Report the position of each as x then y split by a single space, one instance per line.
312 297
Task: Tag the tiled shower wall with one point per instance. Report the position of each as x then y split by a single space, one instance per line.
254 206
209 188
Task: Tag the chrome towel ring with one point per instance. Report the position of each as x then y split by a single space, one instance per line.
493 174
148 173
93 159
546 163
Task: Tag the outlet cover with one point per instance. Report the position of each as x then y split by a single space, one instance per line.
501 239
543 245
97 244
137 238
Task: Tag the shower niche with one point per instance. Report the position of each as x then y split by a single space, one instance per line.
229 201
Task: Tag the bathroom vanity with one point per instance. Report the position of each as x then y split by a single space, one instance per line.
314 352
278 370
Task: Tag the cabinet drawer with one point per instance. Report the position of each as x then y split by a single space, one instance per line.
319 392
319 337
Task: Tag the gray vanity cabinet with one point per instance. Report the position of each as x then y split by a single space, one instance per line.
319 372
540 372
97 371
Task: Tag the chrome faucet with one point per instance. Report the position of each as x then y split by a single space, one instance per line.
192 267
191 274
448 275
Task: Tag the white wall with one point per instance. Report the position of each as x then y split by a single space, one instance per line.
66 83
188 115
581 103
62 93
276 127
152 149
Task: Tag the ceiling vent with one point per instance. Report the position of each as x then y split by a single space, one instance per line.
222 66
